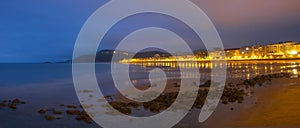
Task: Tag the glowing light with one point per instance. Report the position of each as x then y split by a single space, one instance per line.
241 55
293 52
295 71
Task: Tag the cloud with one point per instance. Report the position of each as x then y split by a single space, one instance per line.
248 12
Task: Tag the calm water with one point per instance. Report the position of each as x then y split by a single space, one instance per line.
48 85
235 70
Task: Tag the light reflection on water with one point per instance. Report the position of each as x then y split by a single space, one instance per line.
235 70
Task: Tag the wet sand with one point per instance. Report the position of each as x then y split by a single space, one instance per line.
275 105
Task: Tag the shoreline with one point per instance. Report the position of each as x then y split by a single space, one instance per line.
247 113
272 105
277 106
187 61
233 117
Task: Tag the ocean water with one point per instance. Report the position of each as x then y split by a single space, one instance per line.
49 85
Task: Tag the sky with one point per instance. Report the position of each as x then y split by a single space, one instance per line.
46 30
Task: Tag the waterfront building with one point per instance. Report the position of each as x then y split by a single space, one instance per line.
246 52
275 50
283 50
258 52
233 53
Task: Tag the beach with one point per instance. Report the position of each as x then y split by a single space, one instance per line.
274 105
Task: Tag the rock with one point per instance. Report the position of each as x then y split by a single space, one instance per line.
57 112
225 100
122 107
155 107
2 104
49 117
198 106
71 106
107 97
16 101
88 120
240 99
125 110
176 85
42 111
61 105
73 112
134 104
12 106
117 105
85 117
146 105
22 102
81 117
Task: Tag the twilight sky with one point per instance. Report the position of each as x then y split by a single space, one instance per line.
46 30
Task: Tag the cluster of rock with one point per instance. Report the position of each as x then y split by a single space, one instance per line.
71 110
12 104
260 80
123 107
231 94
161 103
164 101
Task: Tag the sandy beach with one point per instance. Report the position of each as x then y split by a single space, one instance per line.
274 105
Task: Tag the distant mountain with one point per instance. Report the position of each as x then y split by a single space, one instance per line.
149 54
107 54
66 61
103 56
55 62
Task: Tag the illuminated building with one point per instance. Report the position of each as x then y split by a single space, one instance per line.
258 52
283 50
246 52
291 49
233 53
275 50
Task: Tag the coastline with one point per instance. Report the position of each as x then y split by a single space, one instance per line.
277 106
208 60
272 105
50 94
